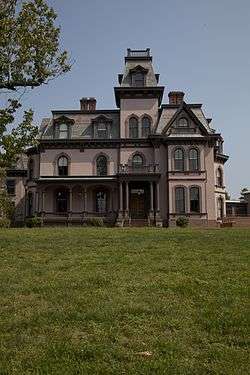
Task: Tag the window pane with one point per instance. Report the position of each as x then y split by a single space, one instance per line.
183 122
102 130
193 160
133 128
194 199
145 126
101 166
101 201
138 79
137 161
63 166
179 160
180 200
63 131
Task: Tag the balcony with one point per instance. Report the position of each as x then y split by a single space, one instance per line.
138 52
124 169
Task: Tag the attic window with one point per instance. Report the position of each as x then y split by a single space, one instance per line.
63 131
138 79
183 122
102 131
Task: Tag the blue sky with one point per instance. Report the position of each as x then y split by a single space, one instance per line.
200 47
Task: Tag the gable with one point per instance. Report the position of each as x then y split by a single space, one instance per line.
184 121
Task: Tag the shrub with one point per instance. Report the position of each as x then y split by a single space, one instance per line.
33 222
4 223
182 222
94 222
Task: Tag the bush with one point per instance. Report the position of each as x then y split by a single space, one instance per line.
33 222
182 222
4 223
94 222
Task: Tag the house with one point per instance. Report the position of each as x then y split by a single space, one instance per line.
143 162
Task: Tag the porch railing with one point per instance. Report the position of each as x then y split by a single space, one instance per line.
145 169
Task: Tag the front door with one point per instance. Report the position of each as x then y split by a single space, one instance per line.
138 202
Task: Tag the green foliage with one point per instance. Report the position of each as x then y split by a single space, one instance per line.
33 222
131 301
29 56
29 45
4 222
182 222
7 207
94 222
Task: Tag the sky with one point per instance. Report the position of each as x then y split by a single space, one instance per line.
200 47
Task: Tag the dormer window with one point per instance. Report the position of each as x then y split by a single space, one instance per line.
138 75
62 127
182 122
63 131
102 131
102 127
138 79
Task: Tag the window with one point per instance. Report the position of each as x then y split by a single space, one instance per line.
180 200
62 166
101 201
137 162
138 79
31 169
193 160
101 166
145 126
11 187
63 131
183 122
219 177
133 128
101 130
179 160
194 199
62 200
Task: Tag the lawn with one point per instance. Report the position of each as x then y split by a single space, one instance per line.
124 301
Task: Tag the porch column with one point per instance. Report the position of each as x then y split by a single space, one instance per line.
151 196
112 199
127 198
42 203
85 199
37 202
121 197
70 200
157 197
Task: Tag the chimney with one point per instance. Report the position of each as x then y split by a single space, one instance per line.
88 104
176 97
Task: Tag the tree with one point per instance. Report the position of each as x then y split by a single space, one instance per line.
30 56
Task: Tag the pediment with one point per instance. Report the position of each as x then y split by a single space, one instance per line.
63 119
138 68
102 118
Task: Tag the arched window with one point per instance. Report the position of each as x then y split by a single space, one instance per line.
194 199
180 200
101 166
183 122
31 169
219 177
63 131
133 128
146 124
179 160
137 161
62 166
193 160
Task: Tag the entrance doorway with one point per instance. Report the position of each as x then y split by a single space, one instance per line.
139 200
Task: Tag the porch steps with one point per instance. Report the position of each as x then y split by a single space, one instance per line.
139 223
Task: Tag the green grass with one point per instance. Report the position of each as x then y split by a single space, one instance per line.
90 301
